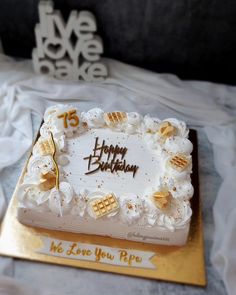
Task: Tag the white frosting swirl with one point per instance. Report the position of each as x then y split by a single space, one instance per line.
167 181
36 166
177 216
45 130
133 123
94 118
177 144
151 124
131 208
31 196
153 143
134 118
151 211
60 200
183 190
80 203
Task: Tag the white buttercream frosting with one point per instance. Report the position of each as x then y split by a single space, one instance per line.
178 144
31 196
80 203
94 118
132 208
151 124
183 190
179 214
60 200
134 118
133 123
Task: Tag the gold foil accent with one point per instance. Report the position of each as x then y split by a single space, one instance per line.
179 162
105 205
166 129
114 118
47 181
161 199
53 154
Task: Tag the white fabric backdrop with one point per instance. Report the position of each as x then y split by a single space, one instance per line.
128 88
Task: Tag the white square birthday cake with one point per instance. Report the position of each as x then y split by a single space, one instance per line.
113 174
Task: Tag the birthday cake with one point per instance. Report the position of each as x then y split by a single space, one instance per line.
115 174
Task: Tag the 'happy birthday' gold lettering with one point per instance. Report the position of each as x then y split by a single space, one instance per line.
112 163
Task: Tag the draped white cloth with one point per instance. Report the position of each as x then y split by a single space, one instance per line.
128 88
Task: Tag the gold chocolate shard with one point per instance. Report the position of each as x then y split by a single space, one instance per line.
166 129
114 118
47 181
179 162
105 205
161 199
46 147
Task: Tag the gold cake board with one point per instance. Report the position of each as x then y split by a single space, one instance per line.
177 264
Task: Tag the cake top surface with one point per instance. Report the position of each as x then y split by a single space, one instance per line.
113 165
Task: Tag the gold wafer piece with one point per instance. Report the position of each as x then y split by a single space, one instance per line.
105 205
161 199
115 118
179 162
47 181
46 147
166 129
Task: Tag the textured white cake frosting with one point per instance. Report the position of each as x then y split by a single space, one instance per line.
146 147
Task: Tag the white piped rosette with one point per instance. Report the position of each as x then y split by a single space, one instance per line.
133 123
79 206
131 208
60 199
30 196
178 144
176 217
94 118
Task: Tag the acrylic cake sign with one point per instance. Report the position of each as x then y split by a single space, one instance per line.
97 253
57 54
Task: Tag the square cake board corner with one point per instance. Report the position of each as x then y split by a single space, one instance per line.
171 263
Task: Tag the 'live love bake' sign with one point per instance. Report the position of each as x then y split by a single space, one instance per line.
68 50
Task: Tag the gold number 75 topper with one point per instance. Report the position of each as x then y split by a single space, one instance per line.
70 118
